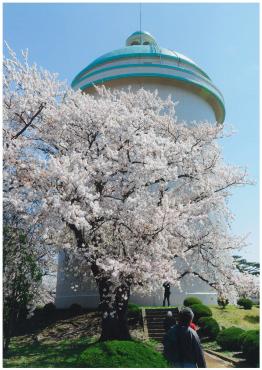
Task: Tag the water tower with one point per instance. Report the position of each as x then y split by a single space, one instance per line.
143 63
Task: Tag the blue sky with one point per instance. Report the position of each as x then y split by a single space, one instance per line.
221 38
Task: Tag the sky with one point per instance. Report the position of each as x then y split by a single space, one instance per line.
222 38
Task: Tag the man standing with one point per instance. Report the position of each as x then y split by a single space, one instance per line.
182 346
166 285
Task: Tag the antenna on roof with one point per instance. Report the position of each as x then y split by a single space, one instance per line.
140 21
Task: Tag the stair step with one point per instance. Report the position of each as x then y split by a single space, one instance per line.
156 325
154 320
157 310
152 313
159 339
159 315
158 333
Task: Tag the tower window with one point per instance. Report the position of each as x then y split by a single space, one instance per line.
135 43
146 43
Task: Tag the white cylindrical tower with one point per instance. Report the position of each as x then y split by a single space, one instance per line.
143 63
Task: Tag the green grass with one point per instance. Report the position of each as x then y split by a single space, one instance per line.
122 354
83 352
65 353
234 316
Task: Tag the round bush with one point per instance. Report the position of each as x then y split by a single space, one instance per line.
200 310
250 346
75 309
49 308
189 301
116 354
230 338
222 302
208 327
245 303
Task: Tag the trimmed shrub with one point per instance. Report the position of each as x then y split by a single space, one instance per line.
245 303
75 309
121 354
133 308
200 310
222 302
250 346
49 308
189 301
134 313
208 327
230 338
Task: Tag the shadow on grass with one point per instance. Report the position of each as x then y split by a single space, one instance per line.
53 354
252 319
42 320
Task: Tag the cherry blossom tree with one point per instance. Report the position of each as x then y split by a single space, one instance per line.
132 193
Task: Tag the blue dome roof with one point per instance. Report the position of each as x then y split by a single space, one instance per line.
143 50
143 57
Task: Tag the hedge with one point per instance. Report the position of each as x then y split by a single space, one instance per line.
200 310
189 301
208 327
230 338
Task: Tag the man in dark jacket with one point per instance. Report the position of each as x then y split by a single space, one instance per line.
182 346
166 285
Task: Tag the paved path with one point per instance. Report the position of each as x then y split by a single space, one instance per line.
216 362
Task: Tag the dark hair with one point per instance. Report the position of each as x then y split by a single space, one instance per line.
186 315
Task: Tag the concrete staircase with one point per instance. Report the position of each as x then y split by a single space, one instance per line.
153 322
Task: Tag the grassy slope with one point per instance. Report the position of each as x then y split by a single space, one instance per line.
65 353
82 352
234 316
122 354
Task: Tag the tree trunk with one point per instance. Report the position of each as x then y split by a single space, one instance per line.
113 304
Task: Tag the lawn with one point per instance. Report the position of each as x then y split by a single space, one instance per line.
53 352
82 352
234 316
25 353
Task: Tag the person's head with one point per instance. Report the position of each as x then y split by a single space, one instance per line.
186 316
169 314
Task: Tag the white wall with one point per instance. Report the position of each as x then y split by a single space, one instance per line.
87 294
